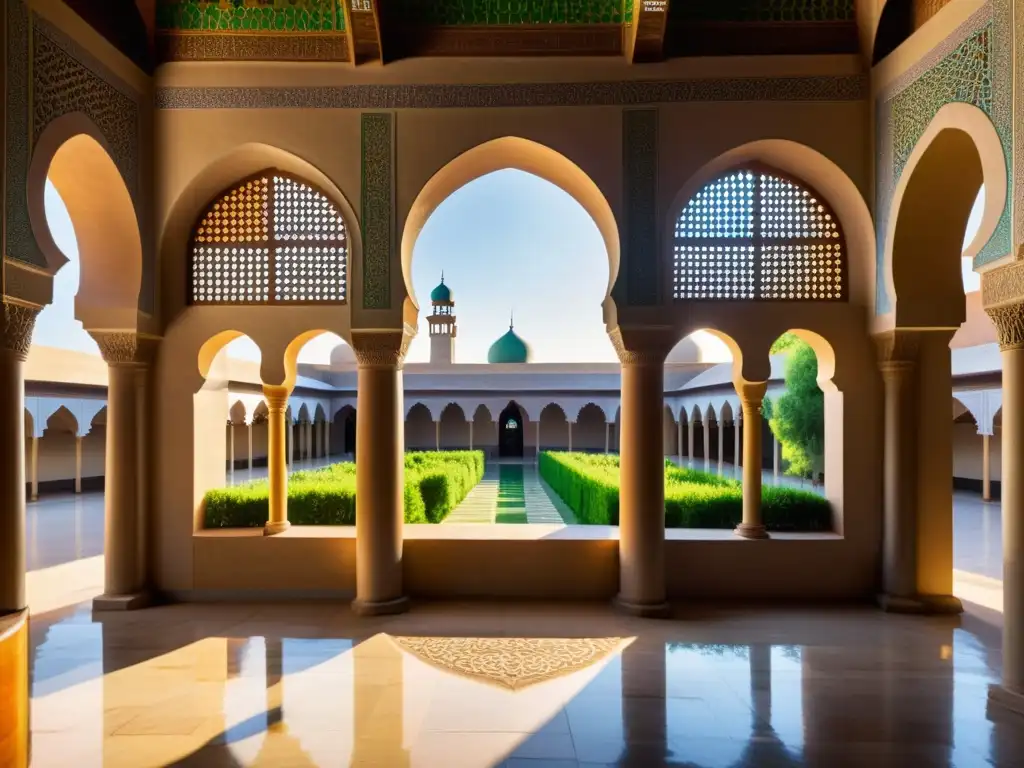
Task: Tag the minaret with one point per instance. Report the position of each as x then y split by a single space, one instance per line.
442 325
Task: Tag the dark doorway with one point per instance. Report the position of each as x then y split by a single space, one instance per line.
510 432
350 435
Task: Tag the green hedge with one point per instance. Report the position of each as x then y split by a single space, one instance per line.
589 484
435 483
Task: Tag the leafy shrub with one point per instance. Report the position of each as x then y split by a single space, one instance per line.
435 483
589 484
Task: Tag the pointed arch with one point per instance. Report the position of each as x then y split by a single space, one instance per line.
524 155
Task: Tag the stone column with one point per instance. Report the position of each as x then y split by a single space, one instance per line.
18 322
721 444
538 437
642 474
986 468
277 464
737 441
751 395
125 509
607 436
471 434
250 448
291 443
327 439
679 440
437 435
380 471
689 440
33 460
231 447
1009 322
78 463
706 423
775 458
570 435
917 546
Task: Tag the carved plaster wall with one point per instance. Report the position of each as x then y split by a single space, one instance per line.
972 65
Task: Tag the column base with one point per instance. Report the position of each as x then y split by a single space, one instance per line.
745 531
272 529
921 604
1002 700
132 602
642 610
380 608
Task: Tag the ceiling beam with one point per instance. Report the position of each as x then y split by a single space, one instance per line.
645 37
362 25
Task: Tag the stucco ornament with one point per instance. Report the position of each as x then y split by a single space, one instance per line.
1002 293
19 322
118 348
897 348
642 348
512 663
381 349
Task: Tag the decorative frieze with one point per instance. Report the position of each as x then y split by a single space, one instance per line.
644 347
441 96
118 347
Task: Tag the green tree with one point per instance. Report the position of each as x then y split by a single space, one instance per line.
797 418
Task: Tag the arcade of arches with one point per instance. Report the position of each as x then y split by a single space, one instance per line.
279 235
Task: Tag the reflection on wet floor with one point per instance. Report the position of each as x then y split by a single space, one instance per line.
527 686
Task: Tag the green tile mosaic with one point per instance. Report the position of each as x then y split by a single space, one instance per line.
484 12
268 16
764 10
962 76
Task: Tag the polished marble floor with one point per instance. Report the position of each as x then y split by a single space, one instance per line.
521 686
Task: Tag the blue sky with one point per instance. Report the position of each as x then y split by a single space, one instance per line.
507 242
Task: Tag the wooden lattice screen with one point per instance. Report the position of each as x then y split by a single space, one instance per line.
271 239
755 235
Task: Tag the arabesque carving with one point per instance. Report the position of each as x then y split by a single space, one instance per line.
382 349
118 348
19 322
652 350
1009 322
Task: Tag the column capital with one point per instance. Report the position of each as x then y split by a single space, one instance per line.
1002 295
276 397
382 349
751 392
1009 322
19 322
126 347
897 349
642 346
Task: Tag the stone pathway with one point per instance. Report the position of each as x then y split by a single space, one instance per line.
512 493
481 505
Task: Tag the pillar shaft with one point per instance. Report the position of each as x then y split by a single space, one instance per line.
679 440
250 446
707 442
380 473
231 446
570 435
738 446
917 548
18 322
78 464
471 434
751 397
437 435
642 485
125 546
986 467
34 466
327 439
689 440
277 466
721 444
607 436
1013 518
775 458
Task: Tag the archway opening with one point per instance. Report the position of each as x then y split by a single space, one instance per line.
548 263
510 432
454 429
420 430
591 432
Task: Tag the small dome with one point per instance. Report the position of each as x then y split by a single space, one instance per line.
442 294
686 351
509 349
342 355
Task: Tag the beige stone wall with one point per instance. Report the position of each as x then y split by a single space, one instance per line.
57 455
967 452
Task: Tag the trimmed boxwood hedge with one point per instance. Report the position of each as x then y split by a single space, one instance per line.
435 482
589 484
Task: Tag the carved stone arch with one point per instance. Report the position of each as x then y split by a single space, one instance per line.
76 157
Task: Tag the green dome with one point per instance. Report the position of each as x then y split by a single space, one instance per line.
509 349
441 294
